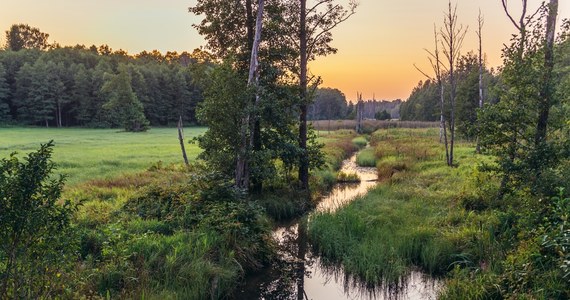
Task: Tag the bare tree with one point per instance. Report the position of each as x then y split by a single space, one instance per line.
242 166
480 22
438 68
452 36
359 113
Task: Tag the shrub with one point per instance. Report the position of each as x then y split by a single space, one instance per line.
37 242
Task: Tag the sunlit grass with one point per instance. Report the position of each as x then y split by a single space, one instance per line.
85 154
413 217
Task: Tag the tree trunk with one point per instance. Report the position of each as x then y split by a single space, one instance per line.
255 135
303 159
546 93
242 165
480 35
181 139
442 119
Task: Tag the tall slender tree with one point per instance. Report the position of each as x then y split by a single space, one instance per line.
242 167
452 36
315 34
480 22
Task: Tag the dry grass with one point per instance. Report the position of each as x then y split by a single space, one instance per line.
370 125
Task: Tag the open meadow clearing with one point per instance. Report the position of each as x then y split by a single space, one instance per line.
84 154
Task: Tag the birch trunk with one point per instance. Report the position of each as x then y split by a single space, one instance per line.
242 166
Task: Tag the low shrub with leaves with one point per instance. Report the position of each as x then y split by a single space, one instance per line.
37 241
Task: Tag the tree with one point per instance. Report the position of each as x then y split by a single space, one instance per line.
4 96
382 115
513 128
315 34
22 36
452 36
468 95
36 238
123 107
242 166
480 22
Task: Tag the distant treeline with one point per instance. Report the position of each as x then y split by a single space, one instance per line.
49 85
331 104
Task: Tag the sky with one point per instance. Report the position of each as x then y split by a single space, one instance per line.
378 46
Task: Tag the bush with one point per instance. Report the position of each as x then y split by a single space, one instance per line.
37 242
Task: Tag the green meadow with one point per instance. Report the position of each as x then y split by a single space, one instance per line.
84 154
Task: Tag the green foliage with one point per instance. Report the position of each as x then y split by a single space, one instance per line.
65 84
509 128
557 232
382 115
123 107
4 96
22 36
221 111
328 104
37 241
423 103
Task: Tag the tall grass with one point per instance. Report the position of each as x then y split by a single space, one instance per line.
412 219
366 158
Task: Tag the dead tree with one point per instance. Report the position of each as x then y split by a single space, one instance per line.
242 166
359 113
438 68
452 36
181 139
480 22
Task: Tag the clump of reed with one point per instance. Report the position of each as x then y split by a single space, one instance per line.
347 177
360 142
366 158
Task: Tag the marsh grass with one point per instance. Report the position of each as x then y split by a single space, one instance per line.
86 154
360 142
366 158
413 219
347 177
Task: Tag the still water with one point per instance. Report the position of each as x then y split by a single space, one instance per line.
301 274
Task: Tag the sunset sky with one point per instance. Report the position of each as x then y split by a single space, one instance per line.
377 46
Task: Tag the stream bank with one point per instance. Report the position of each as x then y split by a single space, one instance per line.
302 273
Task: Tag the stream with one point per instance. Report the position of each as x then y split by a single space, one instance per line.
303 275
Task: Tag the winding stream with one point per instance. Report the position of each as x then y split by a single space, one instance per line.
304 275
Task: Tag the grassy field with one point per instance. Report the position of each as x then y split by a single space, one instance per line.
413 218
84 154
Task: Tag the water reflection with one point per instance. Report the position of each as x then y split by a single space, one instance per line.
300 274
